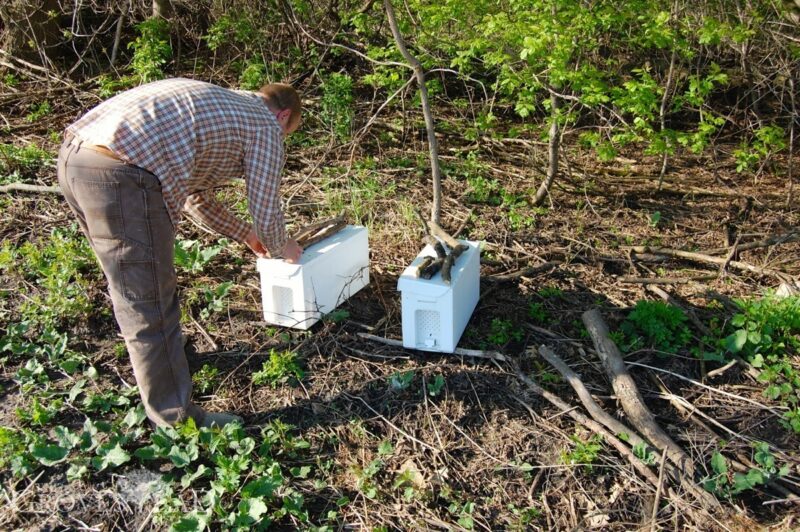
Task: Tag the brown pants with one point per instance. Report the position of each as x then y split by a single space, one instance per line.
121 210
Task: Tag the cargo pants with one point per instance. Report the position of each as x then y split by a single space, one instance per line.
121 211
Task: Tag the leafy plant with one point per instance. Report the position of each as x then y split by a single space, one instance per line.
253 76
337 105
767 334
722 484
39 111
192 257
657 325
401 380
22 162
151 49
215 299
584 452
537 313
435 386
279 369
205 379
503 331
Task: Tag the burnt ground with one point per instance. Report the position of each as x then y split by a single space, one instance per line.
485 438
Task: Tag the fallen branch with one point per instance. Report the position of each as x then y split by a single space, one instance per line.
786 238
666 280
616 426
611 439
24 187
474 353
708 259
527 272
628 393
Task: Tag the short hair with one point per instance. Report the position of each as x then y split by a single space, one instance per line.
282 96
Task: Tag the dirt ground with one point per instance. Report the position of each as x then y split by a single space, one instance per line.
486 437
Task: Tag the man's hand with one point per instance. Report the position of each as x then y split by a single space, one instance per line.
255 244
292 251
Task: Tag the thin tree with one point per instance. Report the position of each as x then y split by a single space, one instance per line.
416 66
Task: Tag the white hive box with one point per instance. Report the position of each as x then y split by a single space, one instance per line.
435 314
329 272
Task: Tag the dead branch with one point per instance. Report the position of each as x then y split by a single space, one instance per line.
527 272
437 231
319 231
24 187
628 393
450 260
426 261
429 271
666 280
612 439
437 247
616 426
708 259
474 353
792 236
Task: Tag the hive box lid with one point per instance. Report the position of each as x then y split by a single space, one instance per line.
281 268
435 286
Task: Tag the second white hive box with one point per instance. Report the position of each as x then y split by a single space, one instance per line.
329 272
435 314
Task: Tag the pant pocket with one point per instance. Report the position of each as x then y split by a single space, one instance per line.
138 281
100 203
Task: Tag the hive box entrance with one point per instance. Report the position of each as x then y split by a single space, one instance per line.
435 314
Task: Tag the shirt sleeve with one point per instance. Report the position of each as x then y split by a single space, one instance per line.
205 208
263 162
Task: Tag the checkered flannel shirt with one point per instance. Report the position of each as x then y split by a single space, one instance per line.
195 136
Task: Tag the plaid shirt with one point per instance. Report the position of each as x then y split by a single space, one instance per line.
195 136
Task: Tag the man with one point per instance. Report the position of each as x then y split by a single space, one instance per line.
131 165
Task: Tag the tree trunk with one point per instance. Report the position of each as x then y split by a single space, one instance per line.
426 110
552 153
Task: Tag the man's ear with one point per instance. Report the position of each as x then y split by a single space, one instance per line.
283 117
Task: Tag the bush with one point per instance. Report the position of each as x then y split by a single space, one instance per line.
657 325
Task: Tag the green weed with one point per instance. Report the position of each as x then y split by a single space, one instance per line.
280 368
766 333
722 484
192 257
337 110
205 379
584 452
151 49
215 299
39 111
503 331
18 163
656 325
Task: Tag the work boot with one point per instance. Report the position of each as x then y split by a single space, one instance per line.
219 419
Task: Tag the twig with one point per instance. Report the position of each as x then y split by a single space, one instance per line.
654 515
712 389
24 187
666 280
527 272
708 259
474 353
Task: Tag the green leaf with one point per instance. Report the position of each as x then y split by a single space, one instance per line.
49 455
385 448
300 472
719 464
110 456
135 416
254 508
183 457
735 342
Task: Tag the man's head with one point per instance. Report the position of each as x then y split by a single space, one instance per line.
284 101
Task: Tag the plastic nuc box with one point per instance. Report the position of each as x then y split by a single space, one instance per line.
435 314
329 272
